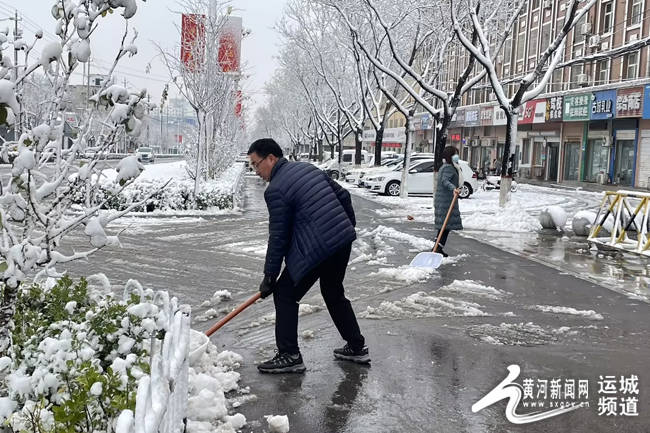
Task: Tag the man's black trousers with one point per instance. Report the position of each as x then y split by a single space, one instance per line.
287 295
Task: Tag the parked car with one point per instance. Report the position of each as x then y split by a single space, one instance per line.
420 180
387 165
145 154
337 171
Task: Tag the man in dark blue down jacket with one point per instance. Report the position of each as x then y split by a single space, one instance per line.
311 228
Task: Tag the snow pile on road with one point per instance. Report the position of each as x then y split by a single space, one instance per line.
405 273
589 314
278 423
512 218
473 288
517 334
416 242
423 304
210 378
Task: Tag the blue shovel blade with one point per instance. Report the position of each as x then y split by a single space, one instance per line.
427 260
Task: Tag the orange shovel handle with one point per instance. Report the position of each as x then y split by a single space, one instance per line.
233 313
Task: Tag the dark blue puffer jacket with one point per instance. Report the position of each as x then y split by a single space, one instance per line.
310 218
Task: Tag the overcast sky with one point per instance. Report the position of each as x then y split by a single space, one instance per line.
155 21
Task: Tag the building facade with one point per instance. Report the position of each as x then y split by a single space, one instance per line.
592 123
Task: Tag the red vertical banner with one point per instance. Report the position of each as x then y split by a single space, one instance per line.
230 44
238 103
192 40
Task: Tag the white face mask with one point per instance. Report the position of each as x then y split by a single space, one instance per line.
455 159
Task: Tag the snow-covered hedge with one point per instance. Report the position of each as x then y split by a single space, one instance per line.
176 196
77 356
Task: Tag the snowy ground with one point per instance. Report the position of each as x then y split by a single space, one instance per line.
477 306
517 229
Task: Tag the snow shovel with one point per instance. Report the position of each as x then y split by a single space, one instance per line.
233 313
431 259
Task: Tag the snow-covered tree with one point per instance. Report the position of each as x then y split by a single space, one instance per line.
211 92
483 25
40 202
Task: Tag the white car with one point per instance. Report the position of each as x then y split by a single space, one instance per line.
420 180
145 154
356 175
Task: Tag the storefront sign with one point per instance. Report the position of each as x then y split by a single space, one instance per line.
577 107
487 116
646 102
629 102
458 119
534 112
499 116
554 109
602 105
471 117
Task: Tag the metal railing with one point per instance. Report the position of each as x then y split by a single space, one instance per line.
622 221
238 185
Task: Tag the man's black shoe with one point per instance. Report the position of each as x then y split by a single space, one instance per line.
360 356
283 363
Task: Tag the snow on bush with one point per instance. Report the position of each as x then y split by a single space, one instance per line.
79 352
171 192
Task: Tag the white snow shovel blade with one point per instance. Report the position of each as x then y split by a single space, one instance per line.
427 260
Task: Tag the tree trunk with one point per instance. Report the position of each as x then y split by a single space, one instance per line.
508 156
379 137
7 311
357 146
197 172
403 191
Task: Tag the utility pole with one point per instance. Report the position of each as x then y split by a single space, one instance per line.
17 34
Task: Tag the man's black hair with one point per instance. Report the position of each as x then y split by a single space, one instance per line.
265 147
448 152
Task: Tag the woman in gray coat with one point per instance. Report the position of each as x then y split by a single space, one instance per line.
449 179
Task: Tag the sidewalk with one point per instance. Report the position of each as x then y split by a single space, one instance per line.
585 186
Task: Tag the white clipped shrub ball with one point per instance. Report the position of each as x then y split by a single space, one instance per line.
553 217
582 222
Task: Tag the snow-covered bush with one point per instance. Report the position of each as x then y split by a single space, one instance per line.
77 355
172 196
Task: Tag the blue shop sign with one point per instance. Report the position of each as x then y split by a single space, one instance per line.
646 102
603 105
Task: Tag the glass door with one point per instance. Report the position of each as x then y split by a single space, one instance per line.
597 159
624 164
571 160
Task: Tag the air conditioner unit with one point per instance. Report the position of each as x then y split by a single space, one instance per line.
594 41
546 4
585 29
582 79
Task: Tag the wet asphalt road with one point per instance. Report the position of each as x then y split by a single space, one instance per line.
430 362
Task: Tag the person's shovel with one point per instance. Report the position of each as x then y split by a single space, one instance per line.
233 313
432 259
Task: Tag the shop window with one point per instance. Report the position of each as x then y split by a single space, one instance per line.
525 151
631 65
606 17
633 12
